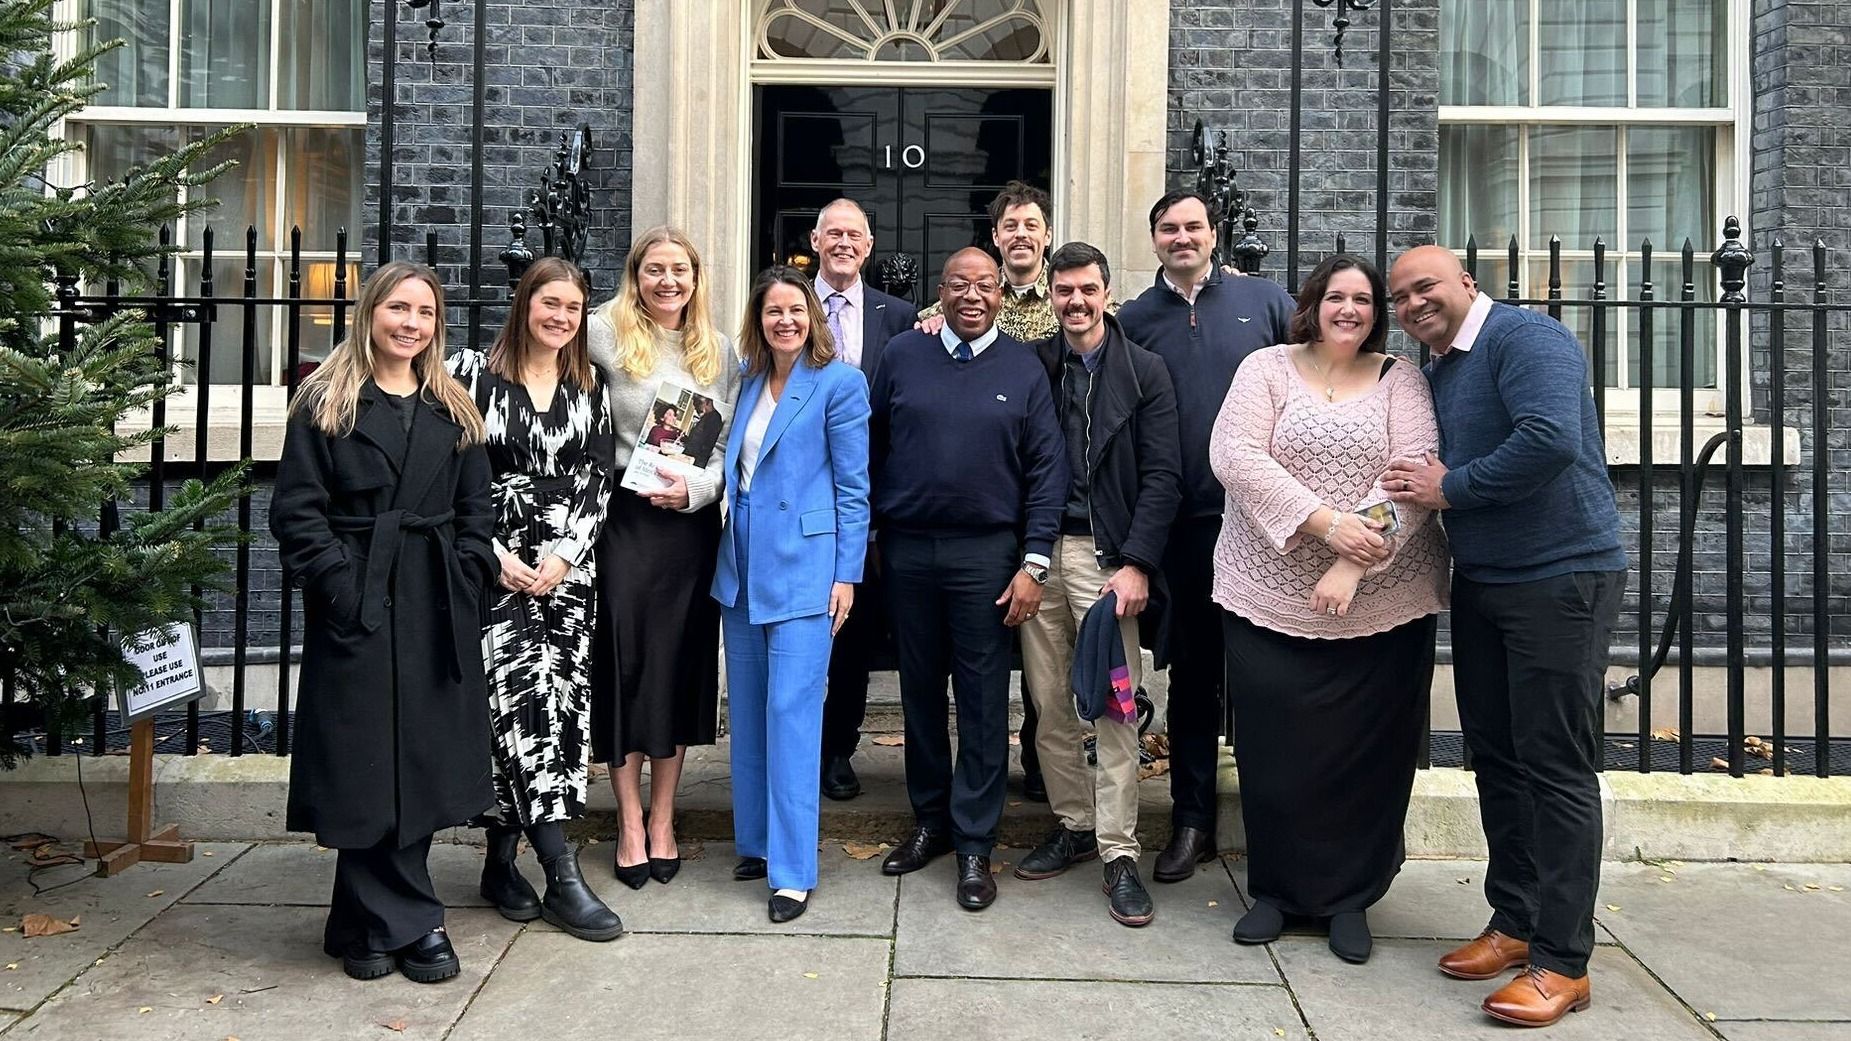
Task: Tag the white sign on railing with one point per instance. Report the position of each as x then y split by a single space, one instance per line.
169 664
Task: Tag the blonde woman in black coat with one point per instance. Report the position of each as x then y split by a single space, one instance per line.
382 515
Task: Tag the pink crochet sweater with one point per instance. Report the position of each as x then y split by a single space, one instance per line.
1282 451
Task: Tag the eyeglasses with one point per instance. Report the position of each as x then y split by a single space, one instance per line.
959 287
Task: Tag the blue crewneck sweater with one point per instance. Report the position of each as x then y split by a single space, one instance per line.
1527 486
966 447
1203 344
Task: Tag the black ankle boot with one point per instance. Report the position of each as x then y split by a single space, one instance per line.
502 884
572 906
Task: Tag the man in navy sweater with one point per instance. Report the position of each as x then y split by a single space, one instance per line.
1537 576
1203 324
970 478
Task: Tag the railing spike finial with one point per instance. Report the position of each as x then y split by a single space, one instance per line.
1733 260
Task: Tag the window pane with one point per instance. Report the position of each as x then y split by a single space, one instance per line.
227 361
1478 185
136 72
1670 185
1683 53
112 150
1484 52
326 174
1574 186
1581 52
246 194
323 55
1578 284
1668 284
224 54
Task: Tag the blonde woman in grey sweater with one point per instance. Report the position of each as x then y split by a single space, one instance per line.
655 668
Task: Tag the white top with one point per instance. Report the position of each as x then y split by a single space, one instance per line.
754 437
848 345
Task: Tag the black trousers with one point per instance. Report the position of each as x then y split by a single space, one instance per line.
845 706
1198 666
941 596
1529 659
382 895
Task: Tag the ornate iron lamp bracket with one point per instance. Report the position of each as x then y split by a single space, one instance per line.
433 22
560 207
1218 181
1342 22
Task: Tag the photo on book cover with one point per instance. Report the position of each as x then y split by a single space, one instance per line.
680 434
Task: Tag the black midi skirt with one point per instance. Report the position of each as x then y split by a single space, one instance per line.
655 676
1326 735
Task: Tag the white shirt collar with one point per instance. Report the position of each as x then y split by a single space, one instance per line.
951 341
1474 323
853 293
1187 294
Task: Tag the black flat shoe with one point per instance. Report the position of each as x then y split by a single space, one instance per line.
976 883
750 869
663 869
783 908
430 959
1188 847
1350 938
839 781
363 963
1261 924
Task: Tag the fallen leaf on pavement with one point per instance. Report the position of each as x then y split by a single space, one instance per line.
889 740
215 999
45 925
12 965
209 853
1666 878
1153 769
1835 889
1711 1016
397 1026
809 975
862 850
31 840
1811 887
1463 881
1214 903
1718 763
1665 734
1278 1031
1615 908
156 893
144 1010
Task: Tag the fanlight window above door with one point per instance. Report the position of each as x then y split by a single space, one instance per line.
905 30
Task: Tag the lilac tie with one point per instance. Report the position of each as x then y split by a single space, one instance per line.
834 306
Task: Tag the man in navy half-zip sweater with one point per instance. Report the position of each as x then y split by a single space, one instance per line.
970 478
1203 324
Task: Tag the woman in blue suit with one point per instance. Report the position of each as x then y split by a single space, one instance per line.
796 535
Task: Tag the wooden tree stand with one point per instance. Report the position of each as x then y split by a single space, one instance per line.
145 841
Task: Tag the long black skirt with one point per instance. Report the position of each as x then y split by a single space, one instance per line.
655 674
1326 734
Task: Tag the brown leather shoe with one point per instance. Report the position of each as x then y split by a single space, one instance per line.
1538 998
1489 955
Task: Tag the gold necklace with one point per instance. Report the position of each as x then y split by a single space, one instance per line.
1330 390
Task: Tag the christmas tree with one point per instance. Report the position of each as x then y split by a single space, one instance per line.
77 578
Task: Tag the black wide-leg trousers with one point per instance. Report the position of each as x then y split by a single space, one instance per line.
382 895
1198 666
1529 664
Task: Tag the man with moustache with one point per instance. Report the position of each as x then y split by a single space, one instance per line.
969 478
861 320
1118 414
1203 324
1538 572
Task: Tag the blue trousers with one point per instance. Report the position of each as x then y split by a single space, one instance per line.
775 678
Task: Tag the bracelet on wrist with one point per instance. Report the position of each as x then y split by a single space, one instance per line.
1336 518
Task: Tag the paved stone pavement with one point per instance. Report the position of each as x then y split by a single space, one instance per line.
228 947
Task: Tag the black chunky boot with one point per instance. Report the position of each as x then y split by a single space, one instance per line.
572 906
502 884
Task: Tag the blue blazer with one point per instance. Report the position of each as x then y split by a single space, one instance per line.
809 526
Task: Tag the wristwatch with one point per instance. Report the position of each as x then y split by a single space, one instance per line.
1038 572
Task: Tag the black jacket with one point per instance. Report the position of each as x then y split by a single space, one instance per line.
392 545
883 317
1133 458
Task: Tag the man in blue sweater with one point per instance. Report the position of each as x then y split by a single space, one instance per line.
1537 576
970 478
1203 324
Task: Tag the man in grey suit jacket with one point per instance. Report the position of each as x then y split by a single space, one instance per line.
861 319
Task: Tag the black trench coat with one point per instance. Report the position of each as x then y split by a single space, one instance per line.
392 546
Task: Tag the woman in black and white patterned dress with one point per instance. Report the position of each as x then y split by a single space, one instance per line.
550 444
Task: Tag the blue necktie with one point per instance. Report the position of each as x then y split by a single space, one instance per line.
963 352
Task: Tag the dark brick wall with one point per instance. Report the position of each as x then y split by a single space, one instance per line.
551 65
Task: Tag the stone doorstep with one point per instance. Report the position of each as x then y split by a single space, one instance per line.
1695 818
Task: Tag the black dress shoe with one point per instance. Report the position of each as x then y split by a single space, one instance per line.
664 869
749 869
920 848
429 959
363 963
1061 850
1126 897
502 884
1034 789
783 908
1261 924
570 904
976 884
1188 847
839 780
1350 938
636 876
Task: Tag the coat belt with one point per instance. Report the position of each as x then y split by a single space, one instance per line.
388 535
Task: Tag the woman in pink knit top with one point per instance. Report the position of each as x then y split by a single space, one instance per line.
1329 614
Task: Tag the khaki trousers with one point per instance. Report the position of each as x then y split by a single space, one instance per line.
1102 799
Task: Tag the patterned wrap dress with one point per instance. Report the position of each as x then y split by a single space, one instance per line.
552 481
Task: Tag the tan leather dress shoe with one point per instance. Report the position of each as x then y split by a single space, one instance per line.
1538 998
1487 956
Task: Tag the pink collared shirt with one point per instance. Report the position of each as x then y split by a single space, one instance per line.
1474 323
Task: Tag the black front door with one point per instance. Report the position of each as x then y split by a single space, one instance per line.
924 163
